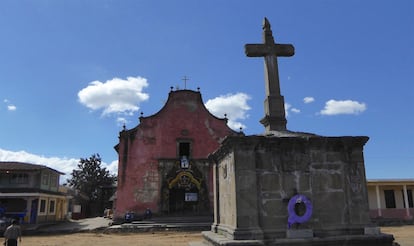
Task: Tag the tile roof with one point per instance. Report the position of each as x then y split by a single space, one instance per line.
22 166
5 191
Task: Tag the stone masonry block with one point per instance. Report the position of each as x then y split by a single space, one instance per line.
304 182
289 182
274 223
334 157
246 180
274 208
269 181
317 156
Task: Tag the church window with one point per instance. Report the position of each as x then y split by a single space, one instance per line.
184 149
389 198
184 154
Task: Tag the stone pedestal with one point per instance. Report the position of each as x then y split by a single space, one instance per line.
372 230
256 176
301 233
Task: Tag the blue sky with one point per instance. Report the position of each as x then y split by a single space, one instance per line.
72 72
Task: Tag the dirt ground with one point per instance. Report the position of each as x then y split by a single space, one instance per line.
159 238
404 235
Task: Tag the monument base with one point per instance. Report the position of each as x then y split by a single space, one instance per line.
214 239
372 230
249 233
301 233
211 238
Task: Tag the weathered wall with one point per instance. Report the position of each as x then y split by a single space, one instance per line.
227 191
268 171
183 118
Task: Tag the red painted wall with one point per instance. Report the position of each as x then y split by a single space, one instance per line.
184 117
392 213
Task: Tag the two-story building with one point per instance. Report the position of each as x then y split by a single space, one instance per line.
30 193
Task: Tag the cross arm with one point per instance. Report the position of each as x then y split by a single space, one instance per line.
261 50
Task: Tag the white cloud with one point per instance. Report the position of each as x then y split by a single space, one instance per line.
288 107
308 99
10 106
234 105
115 95
64 165
121 121
333 107
112 167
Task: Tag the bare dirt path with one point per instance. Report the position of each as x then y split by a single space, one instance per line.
98 239
404 235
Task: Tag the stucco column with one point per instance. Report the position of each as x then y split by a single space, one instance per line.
378 200
28 209
407 208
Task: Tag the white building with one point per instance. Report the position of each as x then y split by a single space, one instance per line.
391 198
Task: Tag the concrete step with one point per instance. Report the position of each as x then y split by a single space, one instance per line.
182 219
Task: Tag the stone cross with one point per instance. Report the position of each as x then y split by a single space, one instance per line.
274 104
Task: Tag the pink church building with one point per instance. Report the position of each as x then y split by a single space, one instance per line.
163 161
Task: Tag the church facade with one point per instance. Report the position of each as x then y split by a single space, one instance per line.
163 161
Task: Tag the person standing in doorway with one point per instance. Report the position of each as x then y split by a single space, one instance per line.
12 233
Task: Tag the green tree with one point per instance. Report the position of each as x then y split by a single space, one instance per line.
90 179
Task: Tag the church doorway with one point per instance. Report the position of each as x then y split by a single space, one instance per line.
184 194
183 201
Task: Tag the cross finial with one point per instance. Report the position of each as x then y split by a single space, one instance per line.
185 78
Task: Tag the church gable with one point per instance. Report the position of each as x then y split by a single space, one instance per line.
183 119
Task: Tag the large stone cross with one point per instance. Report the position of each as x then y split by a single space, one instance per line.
274 104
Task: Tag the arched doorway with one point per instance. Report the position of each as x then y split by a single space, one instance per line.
184 189
184 193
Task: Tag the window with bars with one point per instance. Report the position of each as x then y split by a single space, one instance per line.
45 179
42 208
52 204
389 198
184 149
19 178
